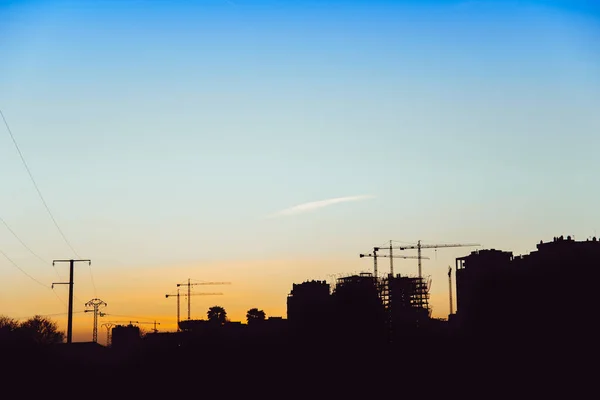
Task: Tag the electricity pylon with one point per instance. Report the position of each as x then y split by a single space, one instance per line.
95 304
108 327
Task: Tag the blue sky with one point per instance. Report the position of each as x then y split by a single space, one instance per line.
167 132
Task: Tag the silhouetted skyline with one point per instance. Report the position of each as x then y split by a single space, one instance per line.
497 294
164 137
516 323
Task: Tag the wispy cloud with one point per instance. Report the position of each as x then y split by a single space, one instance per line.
314 205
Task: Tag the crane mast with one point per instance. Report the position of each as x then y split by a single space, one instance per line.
189 286
391 260
178 301
450 289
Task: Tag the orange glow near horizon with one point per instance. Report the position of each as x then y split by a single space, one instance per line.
138 293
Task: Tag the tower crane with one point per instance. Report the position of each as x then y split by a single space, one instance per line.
374 255
190 294
148 322
420 246
189 286
450 288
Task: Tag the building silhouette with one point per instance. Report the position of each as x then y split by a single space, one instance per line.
126 337
359 310
480 294
406 303
310 311
544 294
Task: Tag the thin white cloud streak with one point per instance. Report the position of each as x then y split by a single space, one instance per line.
315 205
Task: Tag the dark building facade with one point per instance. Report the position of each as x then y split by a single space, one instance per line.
126 337
482 279
360 314
544 294
309 303
309 310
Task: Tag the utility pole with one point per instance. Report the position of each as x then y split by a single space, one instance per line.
70 283
95 304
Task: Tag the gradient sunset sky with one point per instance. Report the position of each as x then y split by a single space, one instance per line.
184 139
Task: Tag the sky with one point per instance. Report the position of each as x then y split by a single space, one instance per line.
265 143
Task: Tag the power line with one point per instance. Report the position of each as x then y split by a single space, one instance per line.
93 282
126 316
58 297
21 241
27 247
48 315
32 278
39 192
23 271
36 186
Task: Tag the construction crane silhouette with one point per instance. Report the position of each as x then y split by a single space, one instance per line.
450 288
178 295
374 255
154 323
189 286
420 246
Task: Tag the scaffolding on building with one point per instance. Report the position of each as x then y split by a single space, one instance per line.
405 291
406 301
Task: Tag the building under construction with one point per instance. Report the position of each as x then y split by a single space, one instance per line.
406 301
359 307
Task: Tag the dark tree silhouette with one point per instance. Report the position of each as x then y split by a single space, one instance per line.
41 330
255 315
217 315
8 327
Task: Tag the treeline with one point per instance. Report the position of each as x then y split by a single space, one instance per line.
36 330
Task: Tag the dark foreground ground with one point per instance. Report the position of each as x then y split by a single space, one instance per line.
456 368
